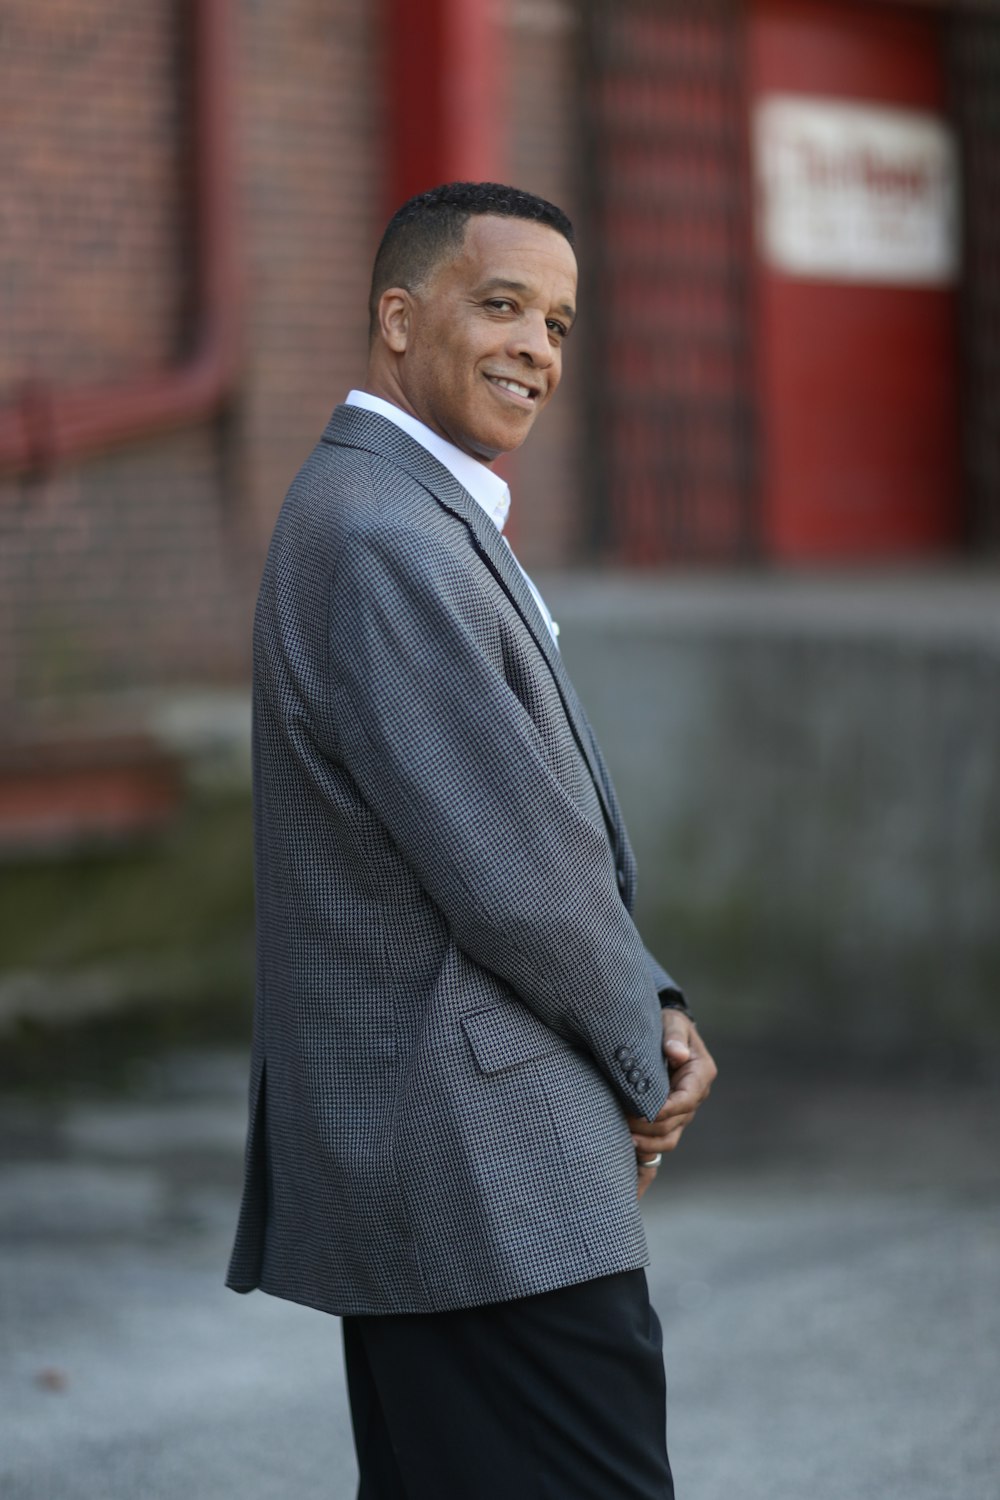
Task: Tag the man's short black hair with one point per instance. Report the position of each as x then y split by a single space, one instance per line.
420 233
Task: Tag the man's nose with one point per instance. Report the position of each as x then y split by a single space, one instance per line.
533 342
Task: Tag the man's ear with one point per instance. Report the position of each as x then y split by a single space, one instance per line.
394 314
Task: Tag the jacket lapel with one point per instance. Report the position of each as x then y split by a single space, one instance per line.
356 427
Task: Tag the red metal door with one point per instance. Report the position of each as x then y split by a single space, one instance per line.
855 177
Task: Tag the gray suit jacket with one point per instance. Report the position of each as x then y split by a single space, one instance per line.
454 1009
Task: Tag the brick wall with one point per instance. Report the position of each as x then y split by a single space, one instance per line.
92 282
138 567
313 201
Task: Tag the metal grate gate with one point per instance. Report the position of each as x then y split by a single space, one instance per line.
975 59
670 379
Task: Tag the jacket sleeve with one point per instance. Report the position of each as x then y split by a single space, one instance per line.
668 989
447 757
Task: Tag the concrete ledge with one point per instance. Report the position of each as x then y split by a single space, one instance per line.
809 767
932 607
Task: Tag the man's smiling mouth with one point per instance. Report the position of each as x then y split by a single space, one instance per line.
526 392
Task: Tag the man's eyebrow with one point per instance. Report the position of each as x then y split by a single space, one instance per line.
503 284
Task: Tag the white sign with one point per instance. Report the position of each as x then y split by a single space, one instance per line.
856 192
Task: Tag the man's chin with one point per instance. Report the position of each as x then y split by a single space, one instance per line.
488 448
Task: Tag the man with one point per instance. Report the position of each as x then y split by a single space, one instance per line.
462 1051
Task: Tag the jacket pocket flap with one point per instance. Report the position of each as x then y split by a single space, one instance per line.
505 1035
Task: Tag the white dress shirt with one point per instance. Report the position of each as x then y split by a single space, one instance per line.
487 489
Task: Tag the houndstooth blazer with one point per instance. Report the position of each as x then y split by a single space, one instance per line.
454 1010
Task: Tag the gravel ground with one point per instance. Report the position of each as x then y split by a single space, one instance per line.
826 1263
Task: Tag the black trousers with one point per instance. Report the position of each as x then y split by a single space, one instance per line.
556 1397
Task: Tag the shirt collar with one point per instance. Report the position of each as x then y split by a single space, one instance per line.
487 489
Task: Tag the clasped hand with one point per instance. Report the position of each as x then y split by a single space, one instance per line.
692 1072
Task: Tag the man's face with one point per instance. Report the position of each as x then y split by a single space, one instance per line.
484 337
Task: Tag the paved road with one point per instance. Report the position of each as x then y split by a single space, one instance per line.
826 1264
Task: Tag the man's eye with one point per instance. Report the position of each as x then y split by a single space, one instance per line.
560 329
500 304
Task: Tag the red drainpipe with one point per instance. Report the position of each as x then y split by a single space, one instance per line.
444 72
51 425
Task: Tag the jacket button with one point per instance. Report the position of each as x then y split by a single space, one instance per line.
633 1075
623 1055
644 1086
621 880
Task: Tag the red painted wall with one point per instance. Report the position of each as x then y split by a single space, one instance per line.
857 382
